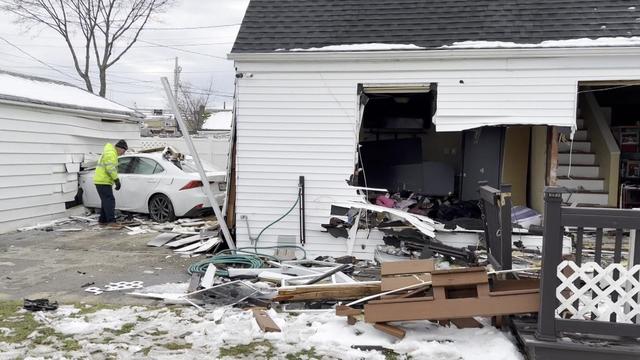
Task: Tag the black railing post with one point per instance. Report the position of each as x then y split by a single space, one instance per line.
551 257
505 226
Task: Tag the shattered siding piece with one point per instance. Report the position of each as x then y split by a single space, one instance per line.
72 167
421 223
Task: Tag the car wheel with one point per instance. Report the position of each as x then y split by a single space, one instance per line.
161 208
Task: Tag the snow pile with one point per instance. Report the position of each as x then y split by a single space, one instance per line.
361 47
220 120
128 331
583 42
55 93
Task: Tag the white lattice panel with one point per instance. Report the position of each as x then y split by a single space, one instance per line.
589 290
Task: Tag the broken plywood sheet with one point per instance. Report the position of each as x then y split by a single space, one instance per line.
344 291
422 223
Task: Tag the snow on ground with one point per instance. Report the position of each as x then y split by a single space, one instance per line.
360 47
134 332
53 92
583 42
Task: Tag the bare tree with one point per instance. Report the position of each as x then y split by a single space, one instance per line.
106 29
192 103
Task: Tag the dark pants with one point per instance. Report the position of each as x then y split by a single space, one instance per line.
108 204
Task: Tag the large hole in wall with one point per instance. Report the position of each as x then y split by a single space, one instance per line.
399 147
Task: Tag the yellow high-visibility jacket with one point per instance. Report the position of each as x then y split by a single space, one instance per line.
107 168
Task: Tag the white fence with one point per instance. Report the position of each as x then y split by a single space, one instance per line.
211 149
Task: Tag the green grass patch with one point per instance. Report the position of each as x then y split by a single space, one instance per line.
125 329
177 346
20 324
309 354
264 348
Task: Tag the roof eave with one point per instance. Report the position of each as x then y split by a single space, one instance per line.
132 116
443 53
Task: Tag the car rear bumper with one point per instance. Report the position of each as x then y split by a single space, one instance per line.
192 201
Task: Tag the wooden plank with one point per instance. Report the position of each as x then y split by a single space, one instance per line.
407 267
402 300
466 323
343 310
397 282
194 282
351 320
313 292
451 308
265 322
391 330
465 276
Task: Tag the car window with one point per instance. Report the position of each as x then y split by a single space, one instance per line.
124 165
146 166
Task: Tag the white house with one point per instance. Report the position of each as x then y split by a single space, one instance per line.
480 90
46 129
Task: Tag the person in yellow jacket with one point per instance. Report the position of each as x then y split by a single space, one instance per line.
105 176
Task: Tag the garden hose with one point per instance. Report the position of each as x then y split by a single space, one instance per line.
246 260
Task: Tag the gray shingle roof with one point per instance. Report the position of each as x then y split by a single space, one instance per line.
288 24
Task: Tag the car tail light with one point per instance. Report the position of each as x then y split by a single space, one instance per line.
192 185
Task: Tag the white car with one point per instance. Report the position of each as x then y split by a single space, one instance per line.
155 185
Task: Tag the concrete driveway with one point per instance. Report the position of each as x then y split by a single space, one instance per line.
54 265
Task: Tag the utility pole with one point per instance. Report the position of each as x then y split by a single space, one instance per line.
176 78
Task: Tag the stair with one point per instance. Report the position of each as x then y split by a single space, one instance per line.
584 181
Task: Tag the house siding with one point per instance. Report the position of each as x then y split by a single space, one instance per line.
37 151
299 117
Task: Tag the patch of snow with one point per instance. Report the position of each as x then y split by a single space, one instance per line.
51 92
361 47
583 42
214 328
631 8
220 120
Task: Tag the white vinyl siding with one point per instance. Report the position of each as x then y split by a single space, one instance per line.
37 147
298 117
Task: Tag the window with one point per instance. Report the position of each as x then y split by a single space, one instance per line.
124 165
146 166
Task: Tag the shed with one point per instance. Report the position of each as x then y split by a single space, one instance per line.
47 128
476 89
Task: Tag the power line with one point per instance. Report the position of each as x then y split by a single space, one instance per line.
182 50
190 28
36 59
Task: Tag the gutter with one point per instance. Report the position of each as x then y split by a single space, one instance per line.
134 116
436 54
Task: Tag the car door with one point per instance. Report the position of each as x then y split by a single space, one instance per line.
125 165
143 179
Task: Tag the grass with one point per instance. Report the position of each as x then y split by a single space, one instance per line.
124 329
20 324
309 354
263 347
23 324
177 346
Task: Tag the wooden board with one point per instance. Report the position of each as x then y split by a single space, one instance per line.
265 322
407 267
391 330
343 310
465 276
324 292
451 308
397 282
466 323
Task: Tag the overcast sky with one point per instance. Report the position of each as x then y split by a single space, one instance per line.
135 79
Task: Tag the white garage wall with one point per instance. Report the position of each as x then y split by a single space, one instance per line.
40 151
296 115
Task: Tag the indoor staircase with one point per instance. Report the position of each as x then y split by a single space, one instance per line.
588 188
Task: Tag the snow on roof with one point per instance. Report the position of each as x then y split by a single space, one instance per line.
42 91
360 47
583 42
220 120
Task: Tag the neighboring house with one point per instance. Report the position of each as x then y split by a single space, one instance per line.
436 95
46 129
158 122
218 123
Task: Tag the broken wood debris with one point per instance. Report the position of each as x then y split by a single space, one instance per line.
265 322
